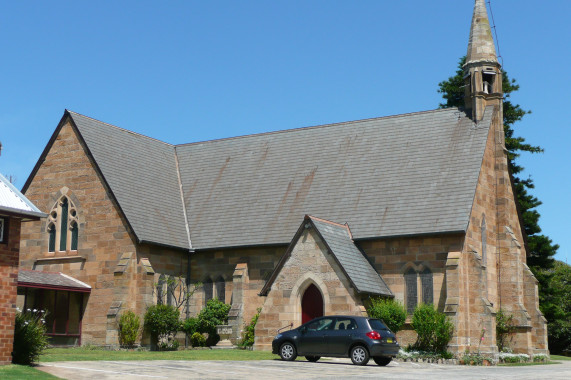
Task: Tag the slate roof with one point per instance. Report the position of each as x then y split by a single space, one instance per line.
392 176
356 266
34 278
12 201
142 175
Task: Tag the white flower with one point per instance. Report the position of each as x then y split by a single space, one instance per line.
29 309
35 310
42 311
26 323
18 309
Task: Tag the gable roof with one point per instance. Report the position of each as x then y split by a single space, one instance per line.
13 202
339 242
142 174
401 175
392 176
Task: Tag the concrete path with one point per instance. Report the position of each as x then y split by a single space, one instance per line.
275 369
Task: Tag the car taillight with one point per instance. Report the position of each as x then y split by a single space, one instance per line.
374 335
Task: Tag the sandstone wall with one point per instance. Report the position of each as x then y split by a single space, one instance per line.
309 263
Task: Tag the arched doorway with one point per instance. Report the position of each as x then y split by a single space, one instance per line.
311 304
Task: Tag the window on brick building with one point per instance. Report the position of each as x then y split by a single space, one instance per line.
221 289
427 287
208 290
63 227
418 281
2 233
411 288
484 241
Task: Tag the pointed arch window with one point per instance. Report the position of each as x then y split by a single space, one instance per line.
52 238
221 289
208 290
484 241
427 287
160 290
63 226
411 288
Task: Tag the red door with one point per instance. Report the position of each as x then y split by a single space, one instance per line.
311 304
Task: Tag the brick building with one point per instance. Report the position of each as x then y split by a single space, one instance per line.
14 209
301 222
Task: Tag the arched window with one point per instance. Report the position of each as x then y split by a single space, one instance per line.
484 241
208 290
52 237
160 290
427 287
170 290
74 236
63 226
410 284
221 289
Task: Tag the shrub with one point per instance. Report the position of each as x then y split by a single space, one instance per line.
433 328
215 313
505 327
249 334
392 312
162 321
190 326
129 327
30 338
197 340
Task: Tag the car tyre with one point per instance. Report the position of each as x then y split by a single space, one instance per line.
313 359
359 355
288 352
382 361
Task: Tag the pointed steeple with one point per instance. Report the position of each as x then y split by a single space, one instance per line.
482 71
481 46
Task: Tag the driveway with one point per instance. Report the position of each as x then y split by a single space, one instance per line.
327 368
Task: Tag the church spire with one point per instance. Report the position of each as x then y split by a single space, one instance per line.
481 44
482 72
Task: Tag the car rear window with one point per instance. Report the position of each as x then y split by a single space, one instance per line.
377 324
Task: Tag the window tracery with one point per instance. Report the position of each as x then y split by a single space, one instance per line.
63 226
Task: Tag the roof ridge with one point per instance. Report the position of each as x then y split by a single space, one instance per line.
317 126
122 129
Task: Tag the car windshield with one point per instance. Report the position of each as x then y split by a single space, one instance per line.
377 324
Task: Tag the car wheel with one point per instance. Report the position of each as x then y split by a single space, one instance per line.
313 358
359 355
288 352
381 360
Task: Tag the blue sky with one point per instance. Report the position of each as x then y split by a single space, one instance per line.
186 71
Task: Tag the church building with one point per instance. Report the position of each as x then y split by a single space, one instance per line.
300 223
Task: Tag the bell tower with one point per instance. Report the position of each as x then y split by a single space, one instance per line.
482 71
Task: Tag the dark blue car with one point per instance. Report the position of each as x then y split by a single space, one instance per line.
359 338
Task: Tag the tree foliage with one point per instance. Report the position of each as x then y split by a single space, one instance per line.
540 248
390 311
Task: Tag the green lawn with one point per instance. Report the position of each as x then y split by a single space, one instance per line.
17 372
559 357
81 353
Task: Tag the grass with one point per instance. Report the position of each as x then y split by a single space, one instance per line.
17 372
559 357
87 353
526 364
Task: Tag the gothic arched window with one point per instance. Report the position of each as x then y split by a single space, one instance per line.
160 289
208 290
63 226
410 284
221 289
427 287
484 242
